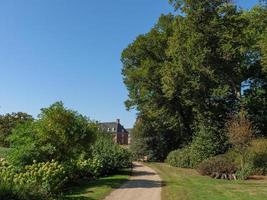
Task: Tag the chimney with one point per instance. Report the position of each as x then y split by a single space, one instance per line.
118 121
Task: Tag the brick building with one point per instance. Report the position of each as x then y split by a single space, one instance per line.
119 133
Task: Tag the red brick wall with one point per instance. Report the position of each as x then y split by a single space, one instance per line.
122 138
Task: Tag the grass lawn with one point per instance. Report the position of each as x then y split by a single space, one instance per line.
187 184
3 152
96 189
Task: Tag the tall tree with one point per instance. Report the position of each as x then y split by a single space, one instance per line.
192 69
143 63
255 95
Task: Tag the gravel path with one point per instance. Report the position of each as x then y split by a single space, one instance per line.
144 184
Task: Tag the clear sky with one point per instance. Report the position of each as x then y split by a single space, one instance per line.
69 50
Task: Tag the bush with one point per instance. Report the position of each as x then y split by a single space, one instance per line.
206 143
83 168
51 176
18 192
3 152
257 156
244 172
255 162
240 133
8 122
59 134
106 158
218 167
25 146
46 178
180 158
111 156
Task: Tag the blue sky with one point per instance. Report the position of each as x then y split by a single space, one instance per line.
69 50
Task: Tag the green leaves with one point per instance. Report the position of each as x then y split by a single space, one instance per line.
59 133
111 156
191 69
263 45
8 122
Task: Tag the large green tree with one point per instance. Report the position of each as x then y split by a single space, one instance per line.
191 69
255 95
143 63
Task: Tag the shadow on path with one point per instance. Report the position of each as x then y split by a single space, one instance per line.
141 183
143 173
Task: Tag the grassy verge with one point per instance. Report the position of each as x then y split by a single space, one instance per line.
96 189
3 152
186 184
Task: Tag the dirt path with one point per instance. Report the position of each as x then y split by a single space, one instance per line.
144 184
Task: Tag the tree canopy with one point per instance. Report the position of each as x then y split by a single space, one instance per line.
196 67
8 122
58 133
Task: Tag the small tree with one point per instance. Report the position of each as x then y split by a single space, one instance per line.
58 133
10 121
240 132
138 146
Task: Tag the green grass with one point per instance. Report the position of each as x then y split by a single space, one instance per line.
187 184
96 189
3 152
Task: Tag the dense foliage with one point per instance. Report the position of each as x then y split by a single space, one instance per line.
180 158
205 144
111 156
256 156
218 166
3 152
105 158
195 68
40 180
58 133
59 148
254 163
240 133
138 147
8 122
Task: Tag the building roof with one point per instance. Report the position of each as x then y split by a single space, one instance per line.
113 127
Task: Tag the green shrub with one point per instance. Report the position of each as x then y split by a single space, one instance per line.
217 166
206 143
8 122
3 152
84 168
25 146
10 191
180 158
111 156
46 178
50 175
255 162
106 158
257 156
59 133
245 172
